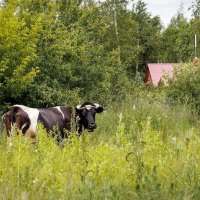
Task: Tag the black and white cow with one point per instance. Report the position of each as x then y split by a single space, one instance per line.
26 119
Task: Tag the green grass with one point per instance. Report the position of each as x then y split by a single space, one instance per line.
143 148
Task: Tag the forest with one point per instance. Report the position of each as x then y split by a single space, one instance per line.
147 142
64 52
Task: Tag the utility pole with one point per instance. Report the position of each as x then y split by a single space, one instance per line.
195 45
195 61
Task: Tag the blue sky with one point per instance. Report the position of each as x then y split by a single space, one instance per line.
166 9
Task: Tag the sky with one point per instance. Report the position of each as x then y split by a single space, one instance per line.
166 9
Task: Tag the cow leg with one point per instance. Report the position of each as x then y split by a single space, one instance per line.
8 124
8 128
25 128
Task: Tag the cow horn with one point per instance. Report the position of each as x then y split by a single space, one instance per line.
96 105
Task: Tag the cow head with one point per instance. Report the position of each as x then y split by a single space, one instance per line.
85 115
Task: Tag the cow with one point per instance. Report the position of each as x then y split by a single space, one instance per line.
26 119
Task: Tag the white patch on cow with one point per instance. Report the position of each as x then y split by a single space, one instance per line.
58 107
23 126
88 107
33 114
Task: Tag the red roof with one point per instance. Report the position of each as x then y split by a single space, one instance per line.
158 72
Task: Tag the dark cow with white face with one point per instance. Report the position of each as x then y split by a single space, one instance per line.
85 116
26 119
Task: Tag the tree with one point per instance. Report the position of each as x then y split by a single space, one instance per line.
177 40
148 35
17 53
95 66
195 9
72 57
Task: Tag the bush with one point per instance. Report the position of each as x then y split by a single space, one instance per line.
184 88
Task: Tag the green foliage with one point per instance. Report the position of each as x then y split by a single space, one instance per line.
177 40
65 52
63 60
148 34
60 52
153 106
196 9
18 53
184 88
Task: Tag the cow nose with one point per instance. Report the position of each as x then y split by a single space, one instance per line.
92 125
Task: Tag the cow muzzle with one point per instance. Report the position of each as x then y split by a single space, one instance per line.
91 127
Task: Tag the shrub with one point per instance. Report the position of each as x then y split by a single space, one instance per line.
185 86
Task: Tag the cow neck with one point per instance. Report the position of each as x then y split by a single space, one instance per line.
78 124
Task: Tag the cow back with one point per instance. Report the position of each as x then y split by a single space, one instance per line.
56 118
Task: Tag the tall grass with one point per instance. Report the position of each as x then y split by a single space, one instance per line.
148 106
142 149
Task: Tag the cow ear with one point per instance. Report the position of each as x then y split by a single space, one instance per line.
99 109
78 108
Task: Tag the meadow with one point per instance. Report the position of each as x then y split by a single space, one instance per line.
146 145
144 148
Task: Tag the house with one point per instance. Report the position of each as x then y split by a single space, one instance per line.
159 72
